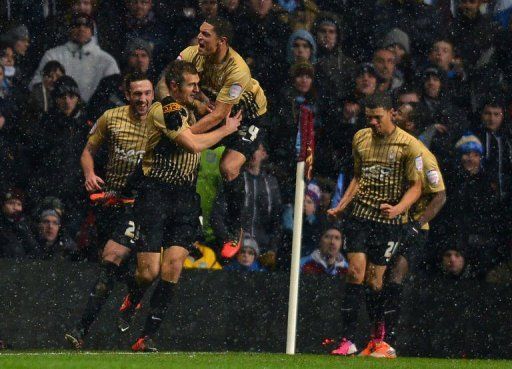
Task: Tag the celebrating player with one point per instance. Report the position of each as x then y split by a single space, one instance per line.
167 208
387 181
413 245
124 131
226 81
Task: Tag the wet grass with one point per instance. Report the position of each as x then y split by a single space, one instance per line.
127 360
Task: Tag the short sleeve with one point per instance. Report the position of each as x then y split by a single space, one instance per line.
236 83
99 131
432 177
414 161
188 54
356 156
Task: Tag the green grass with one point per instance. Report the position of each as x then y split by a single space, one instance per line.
120 360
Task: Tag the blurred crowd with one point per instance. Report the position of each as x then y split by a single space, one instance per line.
444 62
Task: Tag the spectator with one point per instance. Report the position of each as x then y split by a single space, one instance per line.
296 96
334 70
40 100
56 147
502 274
83 60
453 262
384 61
19 40
497 143
261 212
397 41
52 240
246 259
327 259
203 258
16 238
301 47
8 63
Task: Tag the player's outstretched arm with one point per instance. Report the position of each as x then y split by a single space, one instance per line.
346 199
196 143
210 120
410 197
92 181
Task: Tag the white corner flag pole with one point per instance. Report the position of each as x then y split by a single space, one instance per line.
295 266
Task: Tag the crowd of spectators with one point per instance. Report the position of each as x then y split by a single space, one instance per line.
62 64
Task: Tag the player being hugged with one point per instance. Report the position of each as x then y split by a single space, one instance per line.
387 181
124 131
226 88
167 208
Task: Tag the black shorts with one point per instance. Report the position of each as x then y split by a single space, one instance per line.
166 217
116 223
248 137
415 250
378 241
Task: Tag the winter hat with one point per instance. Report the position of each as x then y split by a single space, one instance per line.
469 143
314 192
302 67
65 85
327 18
14 194
138 44
49 212
81 19
303 35
15 34
432 71
397 36
370 69
251 243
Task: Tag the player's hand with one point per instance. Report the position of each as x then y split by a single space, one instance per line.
232 123
389 211
93 183
411 230
334 213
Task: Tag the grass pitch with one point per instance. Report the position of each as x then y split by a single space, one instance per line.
126 360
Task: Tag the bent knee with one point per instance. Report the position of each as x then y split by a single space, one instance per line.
229 171
355 274
374 284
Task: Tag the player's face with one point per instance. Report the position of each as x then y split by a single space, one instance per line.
432 86
379 120
139 60
330 243
67 103
327 36
49 228
12 208
207 40
187 90
492 117
140 97
384 61
246 256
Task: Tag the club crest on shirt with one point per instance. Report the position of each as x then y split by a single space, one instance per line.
169 108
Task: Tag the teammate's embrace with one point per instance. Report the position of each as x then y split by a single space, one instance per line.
387 181
167 208
124 131
227 86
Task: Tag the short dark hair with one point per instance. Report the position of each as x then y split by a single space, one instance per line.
378 100
134 77
52 66
176 69
221 26
493 102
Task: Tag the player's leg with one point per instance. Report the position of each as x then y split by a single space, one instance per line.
163 295
392 291
113 255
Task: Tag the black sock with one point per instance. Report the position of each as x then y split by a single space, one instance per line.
354 297
234 191
99 294
392 292
375 309
162 296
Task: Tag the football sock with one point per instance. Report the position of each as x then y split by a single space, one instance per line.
354 297
99 294
392 292
375 309
234 191
162 296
